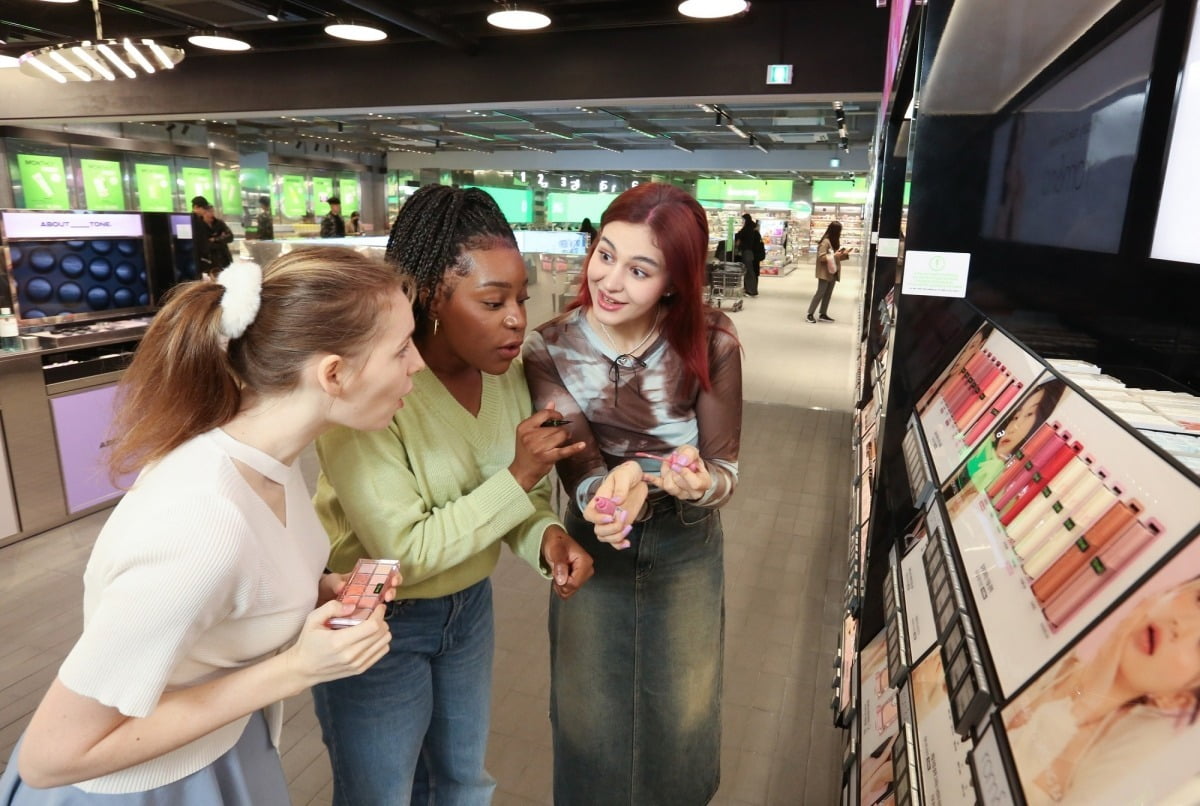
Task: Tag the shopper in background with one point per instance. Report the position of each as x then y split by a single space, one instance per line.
199 594
220 236
265 223
461 470
830 255
200 235
587 229
641 367
355 226
332 225
748 244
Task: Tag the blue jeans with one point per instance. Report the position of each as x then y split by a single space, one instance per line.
414 727
636 659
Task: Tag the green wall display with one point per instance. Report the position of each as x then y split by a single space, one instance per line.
571 208
515 203
744 190
293 202
44 182
839 191
349 194
102 188
153 187
231 192
197 182
322 189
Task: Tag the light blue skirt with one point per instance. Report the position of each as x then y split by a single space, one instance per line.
249 774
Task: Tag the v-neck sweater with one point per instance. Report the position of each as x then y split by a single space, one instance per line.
433 489
192 577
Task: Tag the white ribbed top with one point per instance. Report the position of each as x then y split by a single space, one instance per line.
191 577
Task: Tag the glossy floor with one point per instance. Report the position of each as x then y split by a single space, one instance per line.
785 573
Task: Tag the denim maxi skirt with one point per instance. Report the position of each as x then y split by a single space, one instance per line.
636 662
248 774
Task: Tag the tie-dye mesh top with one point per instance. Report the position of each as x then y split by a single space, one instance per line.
650 406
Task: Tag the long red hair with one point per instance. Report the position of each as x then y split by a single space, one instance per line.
680 230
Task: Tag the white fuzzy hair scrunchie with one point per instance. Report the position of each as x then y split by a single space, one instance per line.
243 294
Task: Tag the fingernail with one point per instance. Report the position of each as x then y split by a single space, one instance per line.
607 519
620 513
624 544
627 530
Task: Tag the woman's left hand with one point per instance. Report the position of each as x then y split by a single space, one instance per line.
684 474
570 566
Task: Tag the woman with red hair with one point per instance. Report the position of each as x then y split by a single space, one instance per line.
651 380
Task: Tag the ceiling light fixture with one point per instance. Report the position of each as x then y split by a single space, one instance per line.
513 17
88 60
215 40
355 31
712 9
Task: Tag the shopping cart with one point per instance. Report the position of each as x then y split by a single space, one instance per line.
725 283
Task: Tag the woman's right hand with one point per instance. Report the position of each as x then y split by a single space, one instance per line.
617 503
538 448
321 654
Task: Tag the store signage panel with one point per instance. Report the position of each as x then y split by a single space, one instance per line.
71 225
1115 718
43 182
744 190
779 74
293 202
945 773
515 203
574 207
197 182
154 187
322 188
991 776
231 192
81 424
840 191
888 247
936 274
348 193
102 184
1173 232
1057 513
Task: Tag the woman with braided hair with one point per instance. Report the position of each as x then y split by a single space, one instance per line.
460 471
199 593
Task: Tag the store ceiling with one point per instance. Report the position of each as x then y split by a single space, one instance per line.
458 25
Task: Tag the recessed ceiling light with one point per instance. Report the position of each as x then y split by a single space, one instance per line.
214 40
355 31
514 18
712 9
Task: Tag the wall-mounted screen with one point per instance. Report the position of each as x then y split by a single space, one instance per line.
1060 165
43 182
154 187
102 186
1177 206
572 208
515 203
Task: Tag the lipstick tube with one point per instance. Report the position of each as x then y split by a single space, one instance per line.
1112 523
1071 528
965 373
1053 498
987 395
1019 457
1096 574
1033 464
989 417
1041 478
981 383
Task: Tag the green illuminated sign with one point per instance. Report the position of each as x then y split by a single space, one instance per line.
153 187
322 190
293 201
349 194
839 191
44 182
102 184
744 190
571 208
231 192
515 203
197 182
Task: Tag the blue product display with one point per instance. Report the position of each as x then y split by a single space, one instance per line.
53 278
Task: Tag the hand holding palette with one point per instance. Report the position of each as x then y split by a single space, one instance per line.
368 583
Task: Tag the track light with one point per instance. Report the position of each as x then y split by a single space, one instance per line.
355 31
513 17
170 127
215 40
185 128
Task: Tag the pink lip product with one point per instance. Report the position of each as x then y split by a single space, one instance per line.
1031 446
989 417
1041 477
987 392
672 460
1111 524
1076 471
1096 574
604 506
1059 541
368 583
1070 499
1029 467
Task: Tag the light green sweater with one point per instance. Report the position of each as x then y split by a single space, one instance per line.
433 489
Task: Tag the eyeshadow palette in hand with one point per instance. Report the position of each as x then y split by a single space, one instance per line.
368 583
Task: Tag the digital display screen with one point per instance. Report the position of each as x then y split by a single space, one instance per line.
515 203
182 248
43 182
102 184
78 276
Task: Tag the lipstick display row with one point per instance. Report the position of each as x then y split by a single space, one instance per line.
978 393
1068 524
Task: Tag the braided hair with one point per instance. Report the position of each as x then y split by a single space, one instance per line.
434 229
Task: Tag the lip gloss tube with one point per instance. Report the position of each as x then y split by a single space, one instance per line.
965 373
1028 468
989 391
962 395
1077 524
1096 574
1023 452
1051 500
989 417
1041 477
1112 523
990 371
